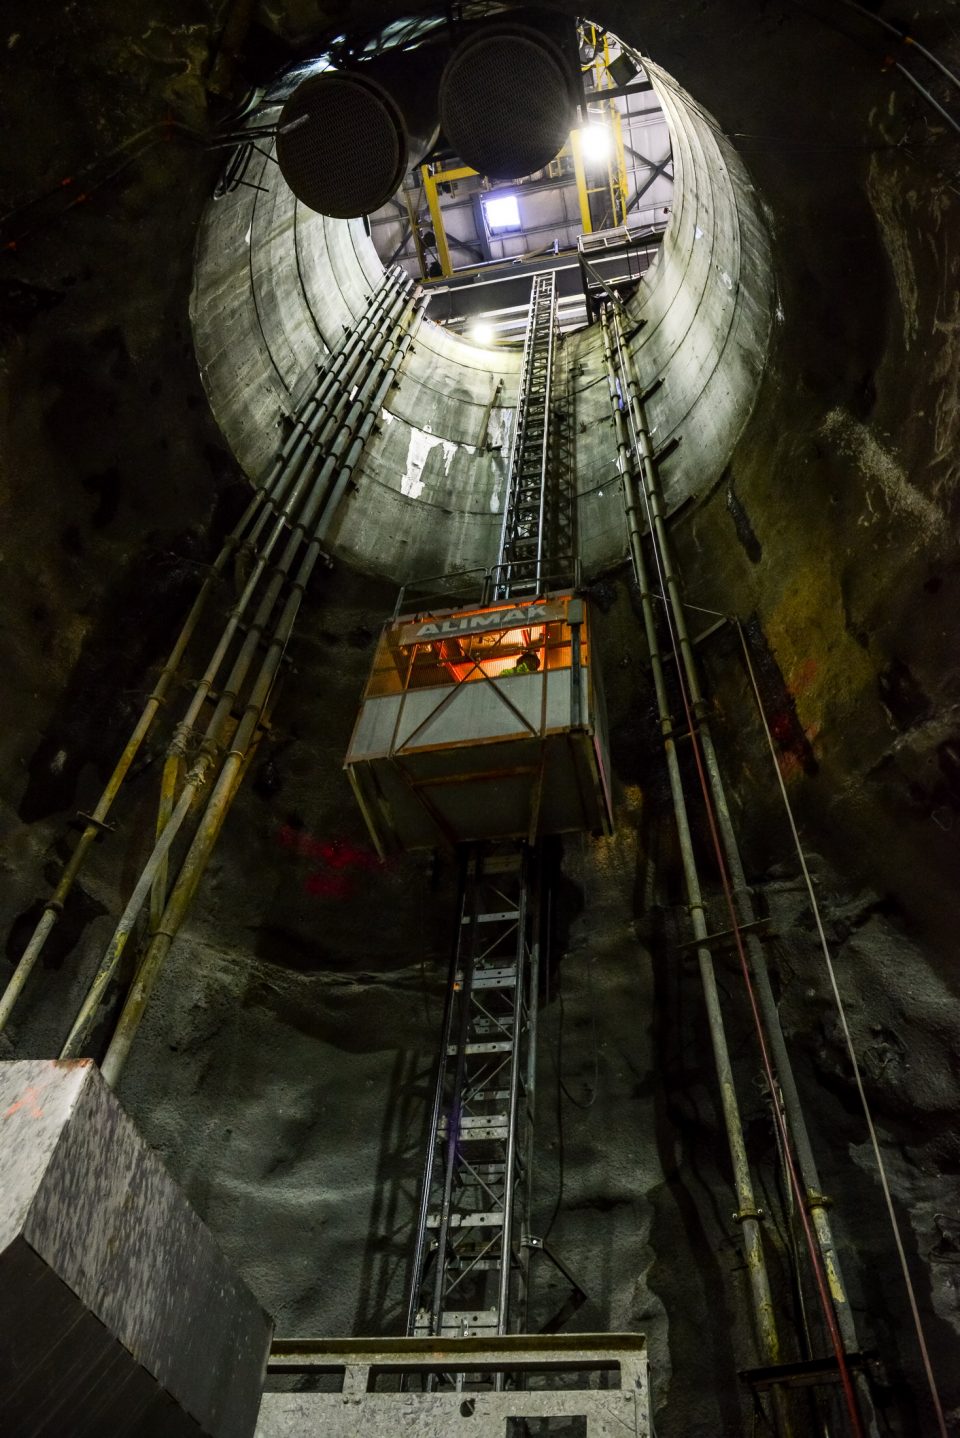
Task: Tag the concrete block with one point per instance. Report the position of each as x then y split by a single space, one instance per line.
118 1313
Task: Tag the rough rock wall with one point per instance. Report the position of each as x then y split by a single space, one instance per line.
268 1070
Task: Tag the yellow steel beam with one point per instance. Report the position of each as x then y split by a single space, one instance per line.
618 178
436 217
580 174
495 266
461 172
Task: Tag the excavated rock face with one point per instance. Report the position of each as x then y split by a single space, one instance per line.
281 1068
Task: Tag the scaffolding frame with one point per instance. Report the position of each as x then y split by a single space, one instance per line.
470 1241
521 562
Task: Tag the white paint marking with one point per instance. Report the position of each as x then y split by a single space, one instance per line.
856 442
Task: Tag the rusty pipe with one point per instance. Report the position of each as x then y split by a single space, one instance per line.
789 1094
228 780
200 770
747 1215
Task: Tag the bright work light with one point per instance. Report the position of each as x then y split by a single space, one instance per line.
502 213
595 140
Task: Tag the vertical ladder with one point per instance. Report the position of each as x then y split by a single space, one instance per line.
469 1271
521 563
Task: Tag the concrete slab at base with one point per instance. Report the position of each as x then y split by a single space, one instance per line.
581 1385
118 1313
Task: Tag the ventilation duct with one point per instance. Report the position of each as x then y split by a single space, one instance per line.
508 96
346 138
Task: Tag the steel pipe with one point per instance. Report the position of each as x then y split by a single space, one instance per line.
748 1214
264 500
53 908
304 529
288 487
363 433
758 962
228 780
788 1096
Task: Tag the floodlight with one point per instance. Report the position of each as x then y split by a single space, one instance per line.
481 332
502 212
596 142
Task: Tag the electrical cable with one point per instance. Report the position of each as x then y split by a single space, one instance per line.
830 1317
905 38
954 124
595 1086
152 135
848 1038
561 1157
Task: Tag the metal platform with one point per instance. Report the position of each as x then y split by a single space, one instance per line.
580 1385
613 261
483 723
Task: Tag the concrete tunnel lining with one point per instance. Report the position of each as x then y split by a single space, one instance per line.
276 283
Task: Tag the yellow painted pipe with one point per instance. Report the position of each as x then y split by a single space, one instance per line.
53 908
169 785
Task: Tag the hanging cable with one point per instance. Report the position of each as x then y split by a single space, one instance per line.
905 38
931 100
851 1050
829 1315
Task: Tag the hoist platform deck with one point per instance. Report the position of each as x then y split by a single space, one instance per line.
483 723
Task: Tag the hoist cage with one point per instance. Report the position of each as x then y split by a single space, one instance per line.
483 723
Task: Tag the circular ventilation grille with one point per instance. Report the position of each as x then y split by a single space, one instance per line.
340 145
505 103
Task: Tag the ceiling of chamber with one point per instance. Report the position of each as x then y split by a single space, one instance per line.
275 282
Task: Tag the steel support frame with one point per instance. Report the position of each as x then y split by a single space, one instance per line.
468 1273
521 559
432 180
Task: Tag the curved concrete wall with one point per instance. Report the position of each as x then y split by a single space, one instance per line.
276 283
